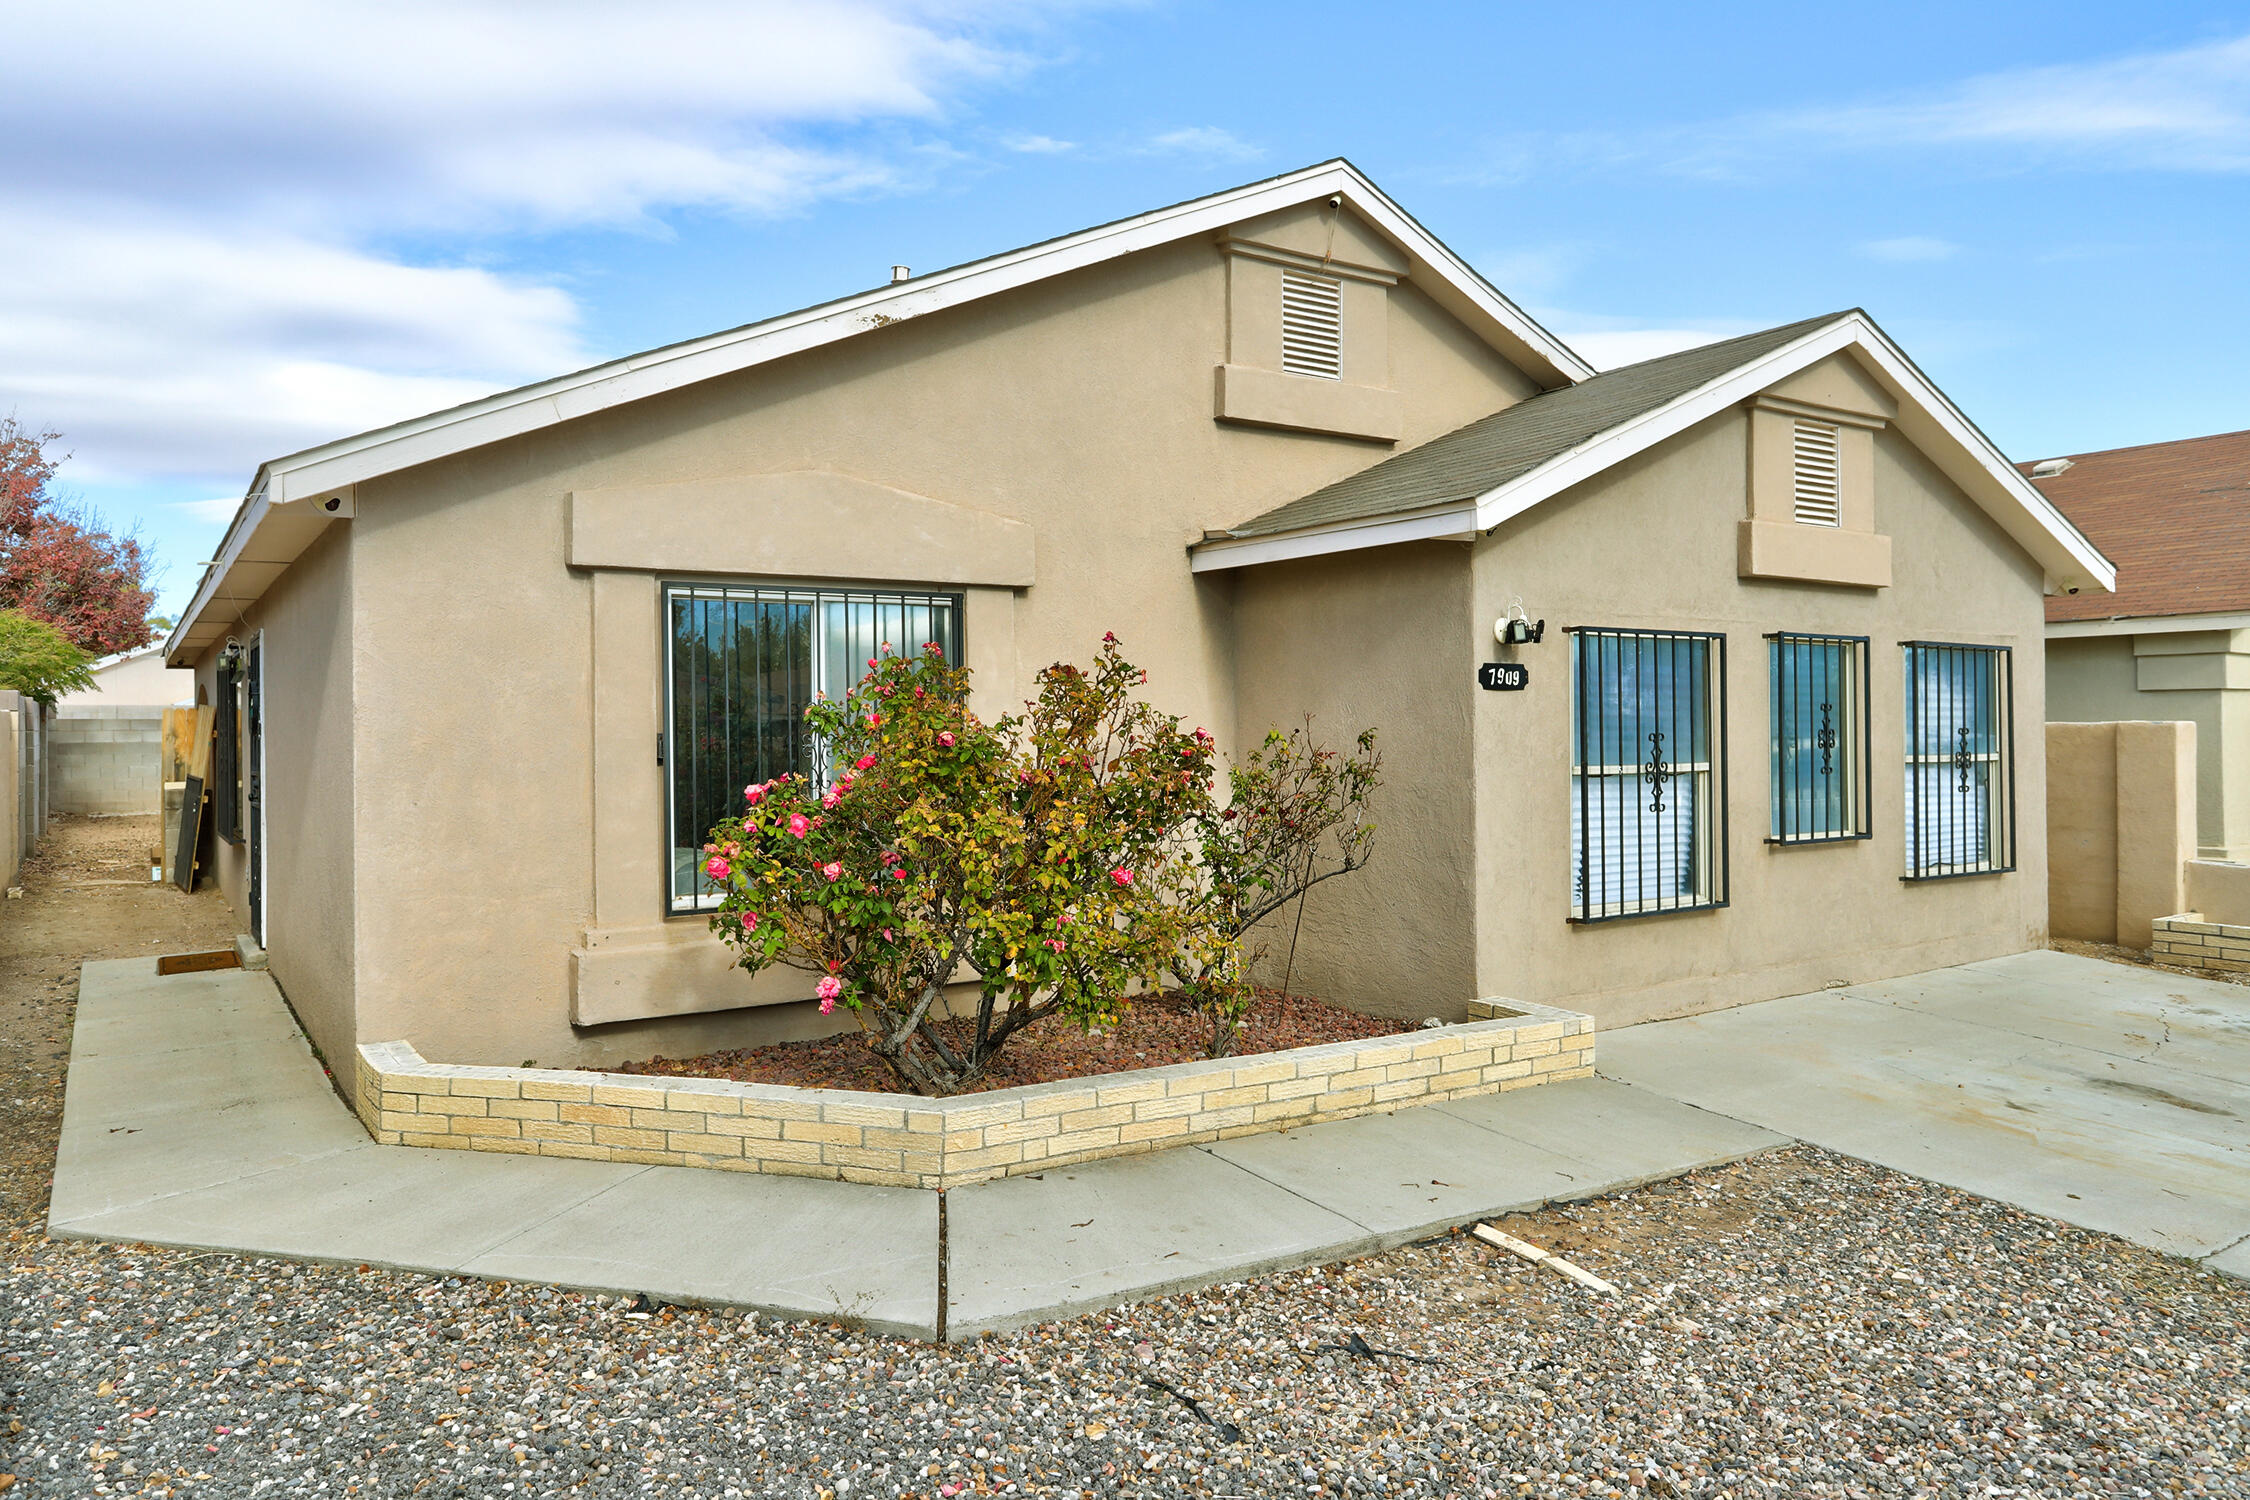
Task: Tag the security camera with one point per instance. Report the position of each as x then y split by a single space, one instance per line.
2074 588
1335 200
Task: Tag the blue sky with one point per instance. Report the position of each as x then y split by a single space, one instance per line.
231 231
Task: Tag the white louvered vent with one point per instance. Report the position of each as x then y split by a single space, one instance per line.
1312 325
1819 475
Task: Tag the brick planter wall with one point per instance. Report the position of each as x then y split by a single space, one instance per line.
907 1141
2192 943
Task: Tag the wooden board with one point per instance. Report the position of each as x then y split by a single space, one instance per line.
186 749
191 833
197 963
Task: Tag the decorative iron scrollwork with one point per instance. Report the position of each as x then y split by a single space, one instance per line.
1656 772
1826 740
1962 759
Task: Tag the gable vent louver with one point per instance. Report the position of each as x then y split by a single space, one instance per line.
1312 325
1819 475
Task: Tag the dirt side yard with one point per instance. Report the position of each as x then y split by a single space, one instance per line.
1796 1325
86 894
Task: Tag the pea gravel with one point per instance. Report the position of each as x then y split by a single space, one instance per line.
1800 1324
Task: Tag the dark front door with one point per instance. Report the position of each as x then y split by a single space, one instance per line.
254 787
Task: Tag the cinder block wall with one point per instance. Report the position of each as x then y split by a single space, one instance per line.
104 759
2120 827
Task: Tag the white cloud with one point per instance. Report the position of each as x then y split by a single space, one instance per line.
199 205
214 512
1207 141
1038 145
2186 110
1910 247
1610 343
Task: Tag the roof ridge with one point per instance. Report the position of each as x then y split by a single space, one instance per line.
2207 437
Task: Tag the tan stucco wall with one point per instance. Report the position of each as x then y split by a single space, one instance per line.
2202 677
1652 544
1083 406
307 630
1380 639
2121 827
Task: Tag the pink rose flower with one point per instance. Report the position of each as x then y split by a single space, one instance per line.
749 921
755 794
831 797
874 721
717 868
834 869
946 739
799 825
899 873
828 989
865 762
1121 875
1056 944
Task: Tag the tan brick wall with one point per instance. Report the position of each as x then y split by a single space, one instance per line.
2191 942
903 1141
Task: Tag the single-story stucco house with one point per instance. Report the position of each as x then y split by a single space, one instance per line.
1772 719
2174 641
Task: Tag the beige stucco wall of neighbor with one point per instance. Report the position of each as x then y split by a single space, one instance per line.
306 628
1382 639
1652 543
508 831
2202 676
137 681
2120 827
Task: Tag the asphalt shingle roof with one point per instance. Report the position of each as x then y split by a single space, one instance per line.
1490 451
2174 517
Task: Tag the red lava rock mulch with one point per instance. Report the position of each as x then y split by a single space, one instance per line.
1153 1033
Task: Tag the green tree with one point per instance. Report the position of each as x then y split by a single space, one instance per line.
38 661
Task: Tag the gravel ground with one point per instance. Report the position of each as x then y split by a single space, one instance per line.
1800 1324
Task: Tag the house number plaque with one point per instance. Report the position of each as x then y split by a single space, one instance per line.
1503 676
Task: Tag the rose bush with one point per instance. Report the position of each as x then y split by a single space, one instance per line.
1050 851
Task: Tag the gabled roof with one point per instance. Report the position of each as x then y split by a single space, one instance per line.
1513 441
254 553
1472 479
2175 516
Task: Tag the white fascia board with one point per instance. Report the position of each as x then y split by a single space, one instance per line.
638 376
2067 551
253 510
2065 630
1454 522
512 413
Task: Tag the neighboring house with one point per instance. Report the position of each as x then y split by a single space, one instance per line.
133 679
2174 641
501 666
106 741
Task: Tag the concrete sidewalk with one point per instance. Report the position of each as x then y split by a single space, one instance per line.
195 1115
2101 1094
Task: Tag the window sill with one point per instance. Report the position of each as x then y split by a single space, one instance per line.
1826 838
1634 916
1956 875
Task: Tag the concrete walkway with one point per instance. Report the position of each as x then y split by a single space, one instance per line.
2113 1097
195 1115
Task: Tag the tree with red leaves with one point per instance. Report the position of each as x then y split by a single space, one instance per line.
57 562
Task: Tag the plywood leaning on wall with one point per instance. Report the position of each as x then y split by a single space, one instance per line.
184 754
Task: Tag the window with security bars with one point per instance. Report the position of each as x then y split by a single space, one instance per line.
1960 760
1312 325
742 664
1817 690
1818 475
1648 775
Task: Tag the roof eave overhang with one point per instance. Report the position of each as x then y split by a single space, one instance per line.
1927 418
337 466
2066 630
1450 523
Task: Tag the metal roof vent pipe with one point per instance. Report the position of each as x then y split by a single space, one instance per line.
899 274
